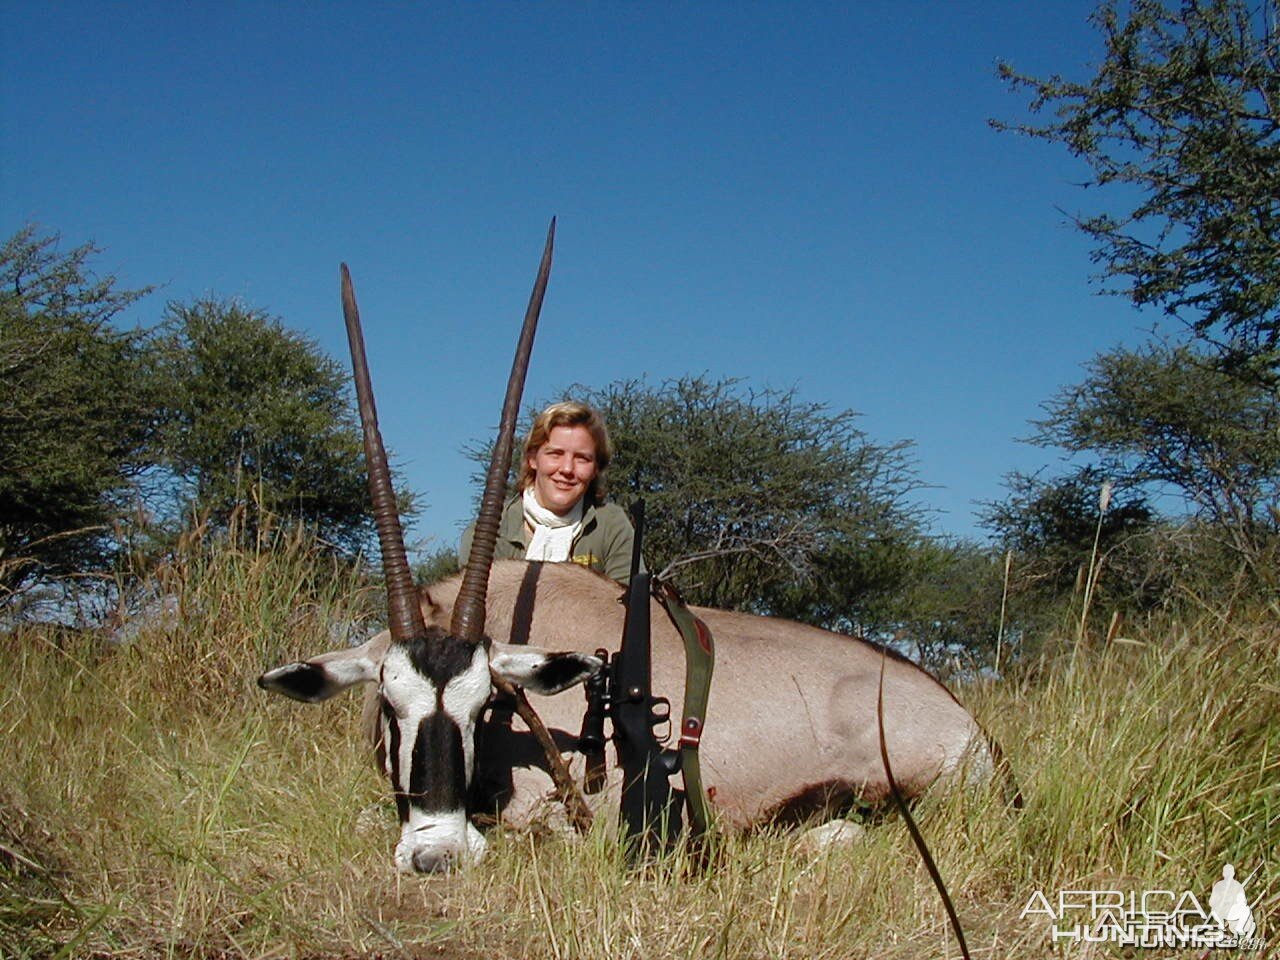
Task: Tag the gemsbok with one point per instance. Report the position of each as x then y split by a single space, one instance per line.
791 730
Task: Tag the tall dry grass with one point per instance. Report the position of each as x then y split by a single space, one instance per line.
154 803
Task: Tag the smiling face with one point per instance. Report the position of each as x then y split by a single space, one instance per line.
563 468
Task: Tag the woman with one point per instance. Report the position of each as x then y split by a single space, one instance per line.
560 514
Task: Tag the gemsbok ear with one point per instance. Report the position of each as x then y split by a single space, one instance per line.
539 671
320 678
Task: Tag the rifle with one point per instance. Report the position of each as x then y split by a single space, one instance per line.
650 809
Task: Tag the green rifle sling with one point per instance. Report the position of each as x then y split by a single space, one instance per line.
699 660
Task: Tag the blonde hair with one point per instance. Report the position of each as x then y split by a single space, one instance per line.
569 413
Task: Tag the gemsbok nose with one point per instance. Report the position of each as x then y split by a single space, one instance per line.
433 861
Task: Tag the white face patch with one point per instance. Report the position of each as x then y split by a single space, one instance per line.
464 698
412 698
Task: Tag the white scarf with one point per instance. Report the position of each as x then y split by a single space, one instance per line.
553 534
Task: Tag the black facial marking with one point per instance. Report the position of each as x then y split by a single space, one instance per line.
439 656
393 752
438 777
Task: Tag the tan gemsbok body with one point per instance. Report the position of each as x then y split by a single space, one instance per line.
791 727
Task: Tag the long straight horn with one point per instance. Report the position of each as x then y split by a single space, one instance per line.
404 616
468 609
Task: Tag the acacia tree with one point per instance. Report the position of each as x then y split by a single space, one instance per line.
75 408
1185 111
256 421
1163 419
221 412
952 603
1051 526
758 500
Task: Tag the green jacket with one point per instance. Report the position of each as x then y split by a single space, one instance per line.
603 542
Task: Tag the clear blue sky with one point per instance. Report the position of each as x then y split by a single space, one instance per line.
803 195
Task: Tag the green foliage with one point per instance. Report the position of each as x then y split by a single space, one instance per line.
439 564
256 420
1183 116
1185 110
1165 419
221 414
1057 520
949 606
1049 528
75 408
1161 424
758 500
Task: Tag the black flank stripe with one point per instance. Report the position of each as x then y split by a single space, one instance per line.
522 618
